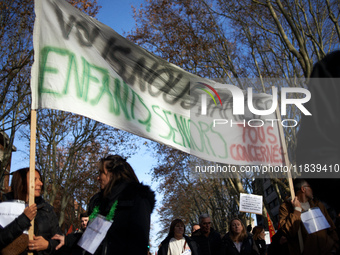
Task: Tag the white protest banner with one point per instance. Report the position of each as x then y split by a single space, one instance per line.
84 67
314 220
250 203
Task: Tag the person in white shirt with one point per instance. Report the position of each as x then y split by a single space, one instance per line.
177 243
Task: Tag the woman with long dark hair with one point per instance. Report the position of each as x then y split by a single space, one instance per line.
177 243
45 224
237 241
125 201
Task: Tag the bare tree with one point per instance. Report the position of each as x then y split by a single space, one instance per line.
16 57
230 40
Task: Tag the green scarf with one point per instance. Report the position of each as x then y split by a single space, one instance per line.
109 216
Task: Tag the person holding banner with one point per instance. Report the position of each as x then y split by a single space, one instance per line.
46 221
237 241
177 243
321 242
119 214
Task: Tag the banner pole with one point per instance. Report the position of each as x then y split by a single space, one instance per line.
32 168
285 153
287 163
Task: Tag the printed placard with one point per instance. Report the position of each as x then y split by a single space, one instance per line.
9 211
250 203
94 234
314 220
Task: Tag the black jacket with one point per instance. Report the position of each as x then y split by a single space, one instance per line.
129 232
71 247
210 245
163 249
261 246
277 248
248 246
45 224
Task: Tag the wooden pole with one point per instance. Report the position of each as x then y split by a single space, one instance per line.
32 168
287 163
34 87
285 153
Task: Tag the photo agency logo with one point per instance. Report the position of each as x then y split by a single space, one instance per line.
252 104
204 96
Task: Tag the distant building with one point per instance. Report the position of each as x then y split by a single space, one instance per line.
270 198
4 179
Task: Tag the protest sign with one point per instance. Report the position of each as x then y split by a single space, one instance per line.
94 234
314 220
9 211
250 203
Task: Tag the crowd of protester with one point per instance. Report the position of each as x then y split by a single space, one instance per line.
126 205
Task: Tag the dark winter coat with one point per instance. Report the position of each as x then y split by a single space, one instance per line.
163 249
278 247
129 232
71 247
261 246
248 246
210 245
45 224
